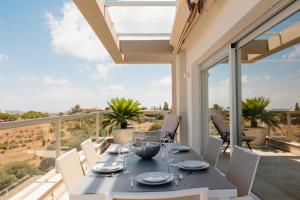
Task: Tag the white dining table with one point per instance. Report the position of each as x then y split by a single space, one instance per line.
92 187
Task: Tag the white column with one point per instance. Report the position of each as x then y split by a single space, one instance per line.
235 98
204 108
181 93
193 108
174 88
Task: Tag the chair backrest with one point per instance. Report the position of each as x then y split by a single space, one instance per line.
241 170
70 168
188 194
89 152
170 125
219 123
212 150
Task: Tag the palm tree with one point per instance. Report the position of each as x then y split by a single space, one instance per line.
254 110
120 112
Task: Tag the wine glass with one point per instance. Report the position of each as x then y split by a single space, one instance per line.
165 156
130 148
124 156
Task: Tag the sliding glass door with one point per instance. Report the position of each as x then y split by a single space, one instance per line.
270 66
215 92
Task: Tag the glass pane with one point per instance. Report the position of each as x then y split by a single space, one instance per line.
154 20
270 67
218 105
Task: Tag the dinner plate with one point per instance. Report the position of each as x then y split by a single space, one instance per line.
108 167
154 178
178 148
193 165
116 150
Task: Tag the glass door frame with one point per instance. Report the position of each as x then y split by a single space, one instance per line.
204 107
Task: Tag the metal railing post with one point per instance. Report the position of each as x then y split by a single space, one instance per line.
289 123
57 138
97 127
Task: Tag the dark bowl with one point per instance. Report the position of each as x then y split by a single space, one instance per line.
147 150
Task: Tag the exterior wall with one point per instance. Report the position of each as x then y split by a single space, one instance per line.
217 28
222 23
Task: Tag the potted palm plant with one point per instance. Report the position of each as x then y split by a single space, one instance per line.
120 113
255 112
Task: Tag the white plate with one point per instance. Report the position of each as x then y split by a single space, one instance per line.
183 148
116 150
193 165
108 167
178 148
145 178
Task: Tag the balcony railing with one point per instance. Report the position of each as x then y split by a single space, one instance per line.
42 138
45 139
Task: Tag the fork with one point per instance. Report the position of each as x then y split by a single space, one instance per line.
176 182
131 182
181 179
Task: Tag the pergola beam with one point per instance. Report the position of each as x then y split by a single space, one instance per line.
94 13
139 3
143 35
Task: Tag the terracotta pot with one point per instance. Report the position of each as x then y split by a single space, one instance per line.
259 134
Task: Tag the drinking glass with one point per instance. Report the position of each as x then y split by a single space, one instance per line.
165 156
124 156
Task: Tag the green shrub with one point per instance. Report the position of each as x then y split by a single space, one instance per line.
20 169
47 164
6 180
156 125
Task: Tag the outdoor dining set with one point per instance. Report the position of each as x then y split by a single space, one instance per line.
148 169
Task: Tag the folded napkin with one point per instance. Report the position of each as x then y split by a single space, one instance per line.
156 178
194 163
108 166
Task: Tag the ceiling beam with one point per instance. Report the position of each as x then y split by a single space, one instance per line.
140 3
146 47
148 59
94 13
143 34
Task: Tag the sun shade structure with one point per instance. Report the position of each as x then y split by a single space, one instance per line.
132 31
141 31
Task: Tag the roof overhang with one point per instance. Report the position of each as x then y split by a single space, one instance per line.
140 48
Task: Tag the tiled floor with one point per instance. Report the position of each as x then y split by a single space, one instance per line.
278 174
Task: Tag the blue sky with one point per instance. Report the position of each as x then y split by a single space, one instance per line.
50 60
276 77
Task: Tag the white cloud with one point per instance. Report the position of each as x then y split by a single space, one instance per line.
166 81
3 57
219 93
52 81
84 67
115 87
101 71
293 55
71 34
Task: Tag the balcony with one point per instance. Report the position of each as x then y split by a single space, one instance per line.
42 140
238 58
